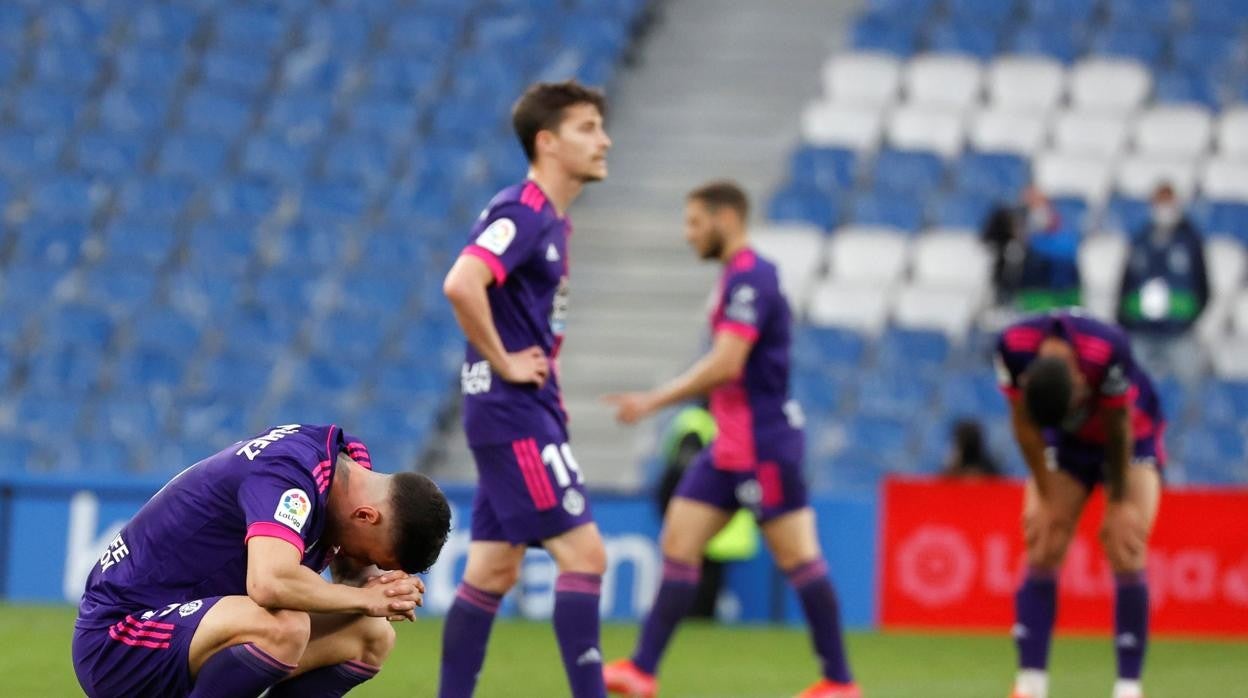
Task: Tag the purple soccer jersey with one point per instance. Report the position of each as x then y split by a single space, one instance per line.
755 408
189 540
525 244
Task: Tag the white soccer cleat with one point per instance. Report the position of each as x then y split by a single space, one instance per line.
1124 688
1031 683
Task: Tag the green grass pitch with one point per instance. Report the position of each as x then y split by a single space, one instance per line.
707 661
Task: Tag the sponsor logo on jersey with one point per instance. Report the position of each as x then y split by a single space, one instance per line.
293 508
475 379
252 448
498 235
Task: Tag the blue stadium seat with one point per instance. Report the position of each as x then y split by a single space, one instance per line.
1140 13
1137 44
373 291
333 202
78 325
243 198
799 203
350 336
365 160
14 331
166 330
888 393
972 394
300 118
41 107
67 199
71 23
1054 41
210 417
51 244
27 286
821 393
204 293
133 111
112 154
415 203
199 157
23 153
1062 10
393 119
590 32
154 198
144 368
824 346
1224 402
402 245
829 170
882 34
508 31
1228 217
886 437
504 160
165 26
157 69
68 67
244 74
920 9
1221 446
232 374
1175 399
905 350
1180 85
461 120
405 77
14 22
308 246
128 416
10 64
1073 210
1218 15
65 370
52 414
420 33
911 172
213 113
313 69
412 382
274 156
347 31
260 332
960 210
1126 214
250 28
1200 51
988 12
887 208
329 377
976 40
120 289
226 245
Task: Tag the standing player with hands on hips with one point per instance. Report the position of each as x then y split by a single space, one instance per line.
509 292
755 460
1084 414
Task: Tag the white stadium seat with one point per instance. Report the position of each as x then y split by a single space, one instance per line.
920 128
951 259
1225 179
840 125
797 251
1101 259
1025 83
1225 262
1139 175
1229 357
861 307
1233 133
1097 134
1000 130
943 80
1100 305
1109 85
865 79
867 254
1211 328
1173 130
948 310
1063 174
1239 313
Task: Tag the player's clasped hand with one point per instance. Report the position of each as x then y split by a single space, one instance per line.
526 366
396 596
629 407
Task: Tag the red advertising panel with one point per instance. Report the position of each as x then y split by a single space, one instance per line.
953 556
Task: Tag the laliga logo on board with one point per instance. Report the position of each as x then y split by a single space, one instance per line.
936 565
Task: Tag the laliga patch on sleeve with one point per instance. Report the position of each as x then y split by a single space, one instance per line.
1116 382
498 235
293 508
741 305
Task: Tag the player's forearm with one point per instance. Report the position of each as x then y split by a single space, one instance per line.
1117 454
1030 443
708 373
301 589
471 306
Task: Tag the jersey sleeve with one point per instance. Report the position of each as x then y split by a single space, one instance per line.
278 501
510 234
745 303
1116 388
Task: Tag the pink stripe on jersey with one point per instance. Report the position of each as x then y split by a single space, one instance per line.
1023 338
149 623
269 529
1094 348
807 573
267 658
579 583
770 483
733 448
491 261
535 478
532 196
743 260
136 642
747 332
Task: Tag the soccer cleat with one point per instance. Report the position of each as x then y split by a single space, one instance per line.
1031 683
1127 688
826 688
624 678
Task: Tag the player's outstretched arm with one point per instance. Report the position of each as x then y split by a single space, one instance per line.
1030 442
275 579
723 363
465 287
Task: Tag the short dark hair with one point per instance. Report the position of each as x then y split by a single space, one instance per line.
1047 388
422 521
723 193
542 108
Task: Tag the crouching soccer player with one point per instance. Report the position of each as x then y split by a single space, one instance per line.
213 588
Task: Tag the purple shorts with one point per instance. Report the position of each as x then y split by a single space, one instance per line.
1086 461
527 491
141 654
776 486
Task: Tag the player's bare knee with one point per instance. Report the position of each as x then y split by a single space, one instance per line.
497 579
677 545
286 634
377 639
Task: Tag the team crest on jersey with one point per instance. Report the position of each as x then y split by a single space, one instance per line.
293 508
552 253
741 305
190 608
498 235
574 502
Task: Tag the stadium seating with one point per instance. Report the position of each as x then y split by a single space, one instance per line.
212 220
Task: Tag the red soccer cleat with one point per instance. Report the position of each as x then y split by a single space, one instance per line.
826 688
624 678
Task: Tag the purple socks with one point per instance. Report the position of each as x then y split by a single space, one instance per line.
676 595
464 636
239 670
1035 608
325 682
576 627
814 588
1130 623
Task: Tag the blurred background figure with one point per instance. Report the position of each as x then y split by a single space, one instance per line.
1165 288
1050 271
968 454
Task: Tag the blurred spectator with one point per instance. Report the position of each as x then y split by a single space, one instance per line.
968 455
1164 290
1034 254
